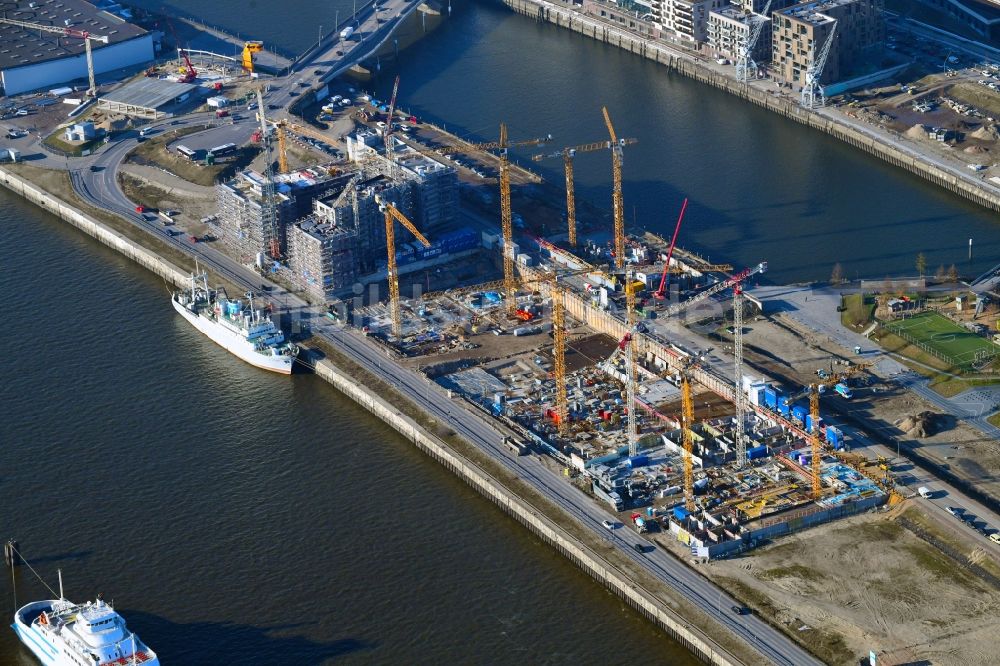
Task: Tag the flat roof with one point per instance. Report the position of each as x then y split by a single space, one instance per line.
149 93
22 46
812 12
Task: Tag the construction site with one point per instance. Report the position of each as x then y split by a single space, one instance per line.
562 345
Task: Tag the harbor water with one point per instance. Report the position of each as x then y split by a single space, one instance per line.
761 188
239 517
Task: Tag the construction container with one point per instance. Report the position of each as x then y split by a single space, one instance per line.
638 461
770 398
834 437
757 452
809 423
680 513
799 413
783 408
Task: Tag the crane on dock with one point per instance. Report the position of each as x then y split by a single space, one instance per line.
68 32
746 66
813 94
393 215
502 146
268 194
567 155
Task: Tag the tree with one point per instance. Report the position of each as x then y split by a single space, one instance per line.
953 273
921 264
940 274
837 275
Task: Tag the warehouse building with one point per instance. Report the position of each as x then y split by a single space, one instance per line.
148 98
33 59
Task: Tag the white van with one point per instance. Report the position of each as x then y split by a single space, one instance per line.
924 492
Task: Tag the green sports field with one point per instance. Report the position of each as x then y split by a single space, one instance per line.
943 337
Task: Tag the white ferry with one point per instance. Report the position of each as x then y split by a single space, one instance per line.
62 633
241 328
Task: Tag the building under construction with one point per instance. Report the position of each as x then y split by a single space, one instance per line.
344 238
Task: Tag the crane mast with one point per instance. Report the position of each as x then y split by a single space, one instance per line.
746 66
687 435
812 91
559 356
387 132
269 204
741 398
568 154
616 192
392 215
502 146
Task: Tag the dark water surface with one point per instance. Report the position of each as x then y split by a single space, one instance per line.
238 517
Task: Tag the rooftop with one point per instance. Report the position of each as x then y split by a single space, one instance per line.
149 93
20 46
813 12
734 13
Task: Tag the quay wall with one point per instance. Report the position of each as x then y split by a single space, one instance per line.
687 66
591 563
88 225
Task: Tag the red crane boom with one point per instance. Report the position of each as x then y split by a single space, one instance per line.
661 293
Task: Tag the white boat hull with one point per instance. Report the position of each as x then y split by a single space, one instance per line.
235 344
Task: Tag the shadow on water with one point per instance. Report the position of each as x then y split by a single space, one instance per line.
73 556
229 643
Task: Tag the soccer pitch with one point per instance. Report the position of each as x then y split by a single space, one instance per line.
943 338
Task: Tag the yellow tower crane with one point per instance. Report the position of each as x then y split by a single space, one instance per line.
503 145
559 356
815 444
616 192
282 149
392 215
568 154
687 434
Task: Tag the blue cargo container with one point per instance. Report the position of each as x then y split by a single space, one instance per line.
680 513
799 413
809 423
834 437
756 452
770 398
783 409
638 461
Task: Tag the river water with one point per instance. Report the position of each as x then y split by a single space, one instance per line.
238 517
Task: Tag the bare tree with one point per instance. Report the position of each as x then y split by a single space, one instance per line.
953 273
921 264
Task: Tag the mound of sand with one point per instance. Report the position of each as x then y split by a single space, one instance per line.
918 426
917 132
977 150
986 133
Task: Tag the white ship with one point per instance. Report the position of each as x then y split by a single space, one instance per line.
61 633
241 328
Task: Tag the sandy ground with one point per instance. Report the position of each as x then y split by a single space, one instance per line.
793 358
878 585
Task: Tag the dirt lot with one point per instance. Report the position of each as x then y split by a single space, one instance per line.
784 350
874 582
